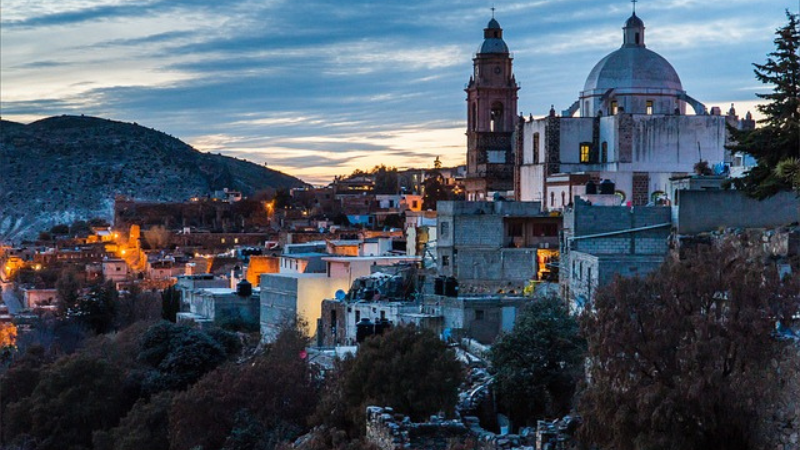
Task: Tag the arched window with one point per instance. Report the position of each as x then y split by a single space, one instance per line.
614 108
552 199
563 199
496 123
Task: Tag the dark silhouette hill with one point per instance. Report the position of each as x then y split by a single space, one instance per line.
66 168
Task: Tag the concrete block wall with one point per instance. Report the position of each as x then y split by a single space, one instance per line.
704 211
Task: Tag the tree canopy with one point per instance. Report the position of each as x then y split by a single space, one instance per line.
678 359
537 366
778 137
409 369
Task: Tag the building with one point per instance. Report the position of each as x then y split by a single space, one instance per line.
491 118
495 243
629 125
600 242
223 306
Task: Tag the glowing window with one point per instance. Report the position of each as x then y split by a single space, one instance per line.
585 151
649 107
614 107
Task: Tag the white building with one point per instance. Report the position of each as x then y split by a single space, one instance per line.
632 129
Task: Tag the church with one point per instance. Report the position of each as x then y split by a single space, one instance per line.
630 128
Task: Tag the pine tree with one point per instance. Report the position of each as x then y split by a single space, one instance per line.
778 137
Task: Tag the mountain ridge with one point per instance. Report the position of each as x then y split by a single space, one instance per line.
65 168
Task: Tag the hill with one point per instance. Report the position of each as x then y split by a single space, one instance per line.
66 168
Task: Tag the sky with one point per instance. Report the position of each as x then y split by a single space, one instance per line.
317 88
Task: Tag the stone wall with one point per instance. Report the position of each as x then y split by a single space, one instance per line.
390 431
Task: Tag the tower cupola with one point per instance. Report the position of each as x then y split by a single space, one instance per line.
633 32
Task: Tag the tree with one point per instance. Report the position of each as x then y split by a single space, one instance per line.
409 369
170 304
67 290
144 427
537 366
434 191
74 397
679 358
177 356
386 180
157 237
249 406
779 136
97 309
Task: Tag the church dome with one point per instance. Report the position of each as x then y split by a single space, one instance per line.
633 66
493 39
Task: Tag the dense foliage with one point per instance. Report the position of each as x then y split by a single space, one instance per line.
778 137
537 366
409 369
679 358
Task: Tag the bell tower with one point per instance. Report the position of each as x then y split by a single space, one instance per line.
491 118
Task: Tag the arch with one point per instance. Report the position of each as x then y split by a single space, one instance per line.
496 117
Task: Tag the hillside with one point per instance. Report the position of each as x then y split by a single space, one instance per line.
66 168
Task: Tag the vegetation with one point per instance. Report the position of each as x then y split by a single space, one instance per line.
420 378
538 365
778 137
679 358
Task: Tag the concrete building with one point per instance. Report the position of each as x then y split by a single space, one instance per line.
218 306
287 296
600 242
115 269
495 243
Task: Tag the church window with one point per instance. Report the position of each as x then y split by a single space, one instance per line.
614 108
604 152
637 38
585 152
649 107
536 148
474 117
563 199
496 123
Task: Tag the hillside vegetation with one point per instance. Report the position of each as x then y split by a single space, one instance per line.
66 168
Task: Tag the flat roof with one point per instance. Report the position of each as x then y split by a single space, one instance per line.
370 258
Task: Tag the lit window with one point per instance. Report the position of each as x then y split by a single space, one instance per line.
614 108
649 107
585 148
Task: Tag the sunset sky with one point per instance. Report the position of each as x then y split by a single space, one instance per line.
317 88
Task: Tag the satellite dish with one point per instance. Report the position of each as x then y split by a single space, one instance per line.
340 294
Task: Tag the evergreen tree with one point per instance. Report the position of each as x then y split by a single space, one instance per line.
778 138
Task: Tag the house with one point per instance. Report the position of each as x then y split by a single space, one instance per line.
495 243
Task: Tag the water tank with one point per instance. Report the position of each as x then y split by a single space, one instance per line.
364 329
382 326
591 188
244 288
450 287
438 286
607 187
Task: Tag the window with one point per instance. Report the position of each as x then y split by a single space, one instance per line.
585 152
414 204
536 148
614 108
604 152
444 229
445 260
563 199
515 229
235 240
222 240
358 316
383 314
496 117
474 121
649 107
479 314
552 199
